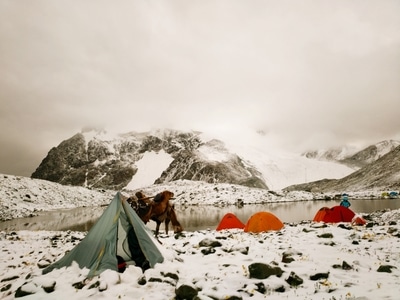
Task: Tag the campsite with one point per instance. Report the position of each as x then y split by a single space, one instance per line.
299 260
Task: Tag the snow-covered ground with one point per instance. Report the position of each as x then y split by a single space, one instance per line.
307 260
302 261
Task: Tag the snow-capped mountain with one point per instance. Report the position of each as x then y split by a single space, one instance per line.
381 174
95 159
370 154
353 156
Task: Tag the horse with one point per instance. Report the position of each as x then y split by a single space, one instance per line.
159 210
169 216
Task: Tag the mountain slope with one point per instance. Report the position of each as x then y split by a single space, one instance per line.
96 160
382 174
370 154
353 157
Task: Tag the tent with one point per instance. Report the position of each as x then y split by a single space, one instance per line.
263 221
335 214
230 221
108 238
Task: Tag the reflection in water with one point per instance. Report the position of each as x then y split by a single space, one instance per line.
78 219
193 217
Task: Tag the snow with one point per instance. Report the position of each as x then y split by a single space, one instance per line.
149 167
211 153
218 265
279 168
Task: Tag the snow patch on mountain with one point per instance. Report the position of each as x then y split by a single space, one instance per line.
149 169
213 151
385 147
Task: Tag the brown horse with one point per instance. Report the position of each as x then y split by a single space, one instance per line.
159 210
171 216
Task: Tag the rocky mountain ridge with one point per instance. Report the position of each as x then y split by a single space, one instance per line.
352 156
110 163
383 174
95 160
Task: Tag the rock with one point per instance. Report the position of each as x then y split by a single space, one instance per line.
43 263
386 268
345 226
294 280
346 266
171 275
9 278
94 285
78 285
263 271
6 287
319 276
325 236
287 258
142 280
208 251
49 287
280 289
25 290
261 287
209 243
185 292
233 298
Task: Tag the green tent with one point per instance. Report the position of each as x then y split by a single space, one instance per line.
108 238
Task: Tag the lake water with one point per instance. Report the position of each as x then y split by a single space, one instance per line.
193 217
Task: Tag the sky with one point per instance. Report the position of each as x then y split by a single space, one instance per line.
308 74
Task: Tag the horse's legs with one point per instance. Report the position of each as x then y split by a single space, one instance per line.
158 227
167 220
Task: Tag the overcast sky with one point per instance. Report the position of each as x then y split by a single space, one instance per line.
307 73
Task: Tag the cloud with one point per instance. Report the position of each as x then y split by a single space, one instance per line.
308 74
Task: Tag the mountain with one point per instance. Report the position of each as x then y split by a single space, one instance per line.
370 154
132 160
352 156
111 163
382 174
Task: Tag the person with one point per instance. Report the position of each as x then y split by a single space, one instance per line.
345 201
136 252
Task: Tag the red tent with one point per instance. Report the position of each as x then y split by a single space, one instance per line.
335 214
230 221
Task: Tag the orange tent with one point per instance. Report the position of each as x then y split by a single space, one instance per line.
263 221
230 221
358 220
335 214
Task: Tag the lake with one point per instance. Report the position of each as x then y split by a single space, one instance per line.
194 217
